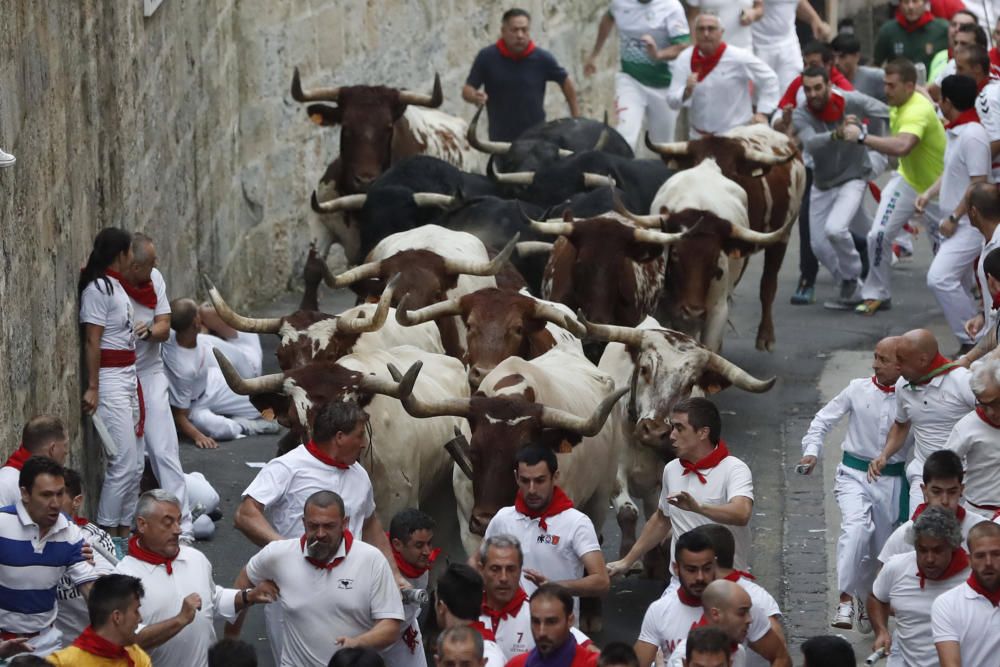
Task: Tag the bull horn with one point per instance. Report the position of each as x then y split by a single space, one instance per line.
343 203
409 318
565 152
475 268
629 336
652 236
360 325
670 149
755 155
589 427
758 238
237 321
432 199
554 228
550 313
396 387
650 221
313 94
366 270
449 407
484 146
248 386
525 248
602 138
420 100
458 451
591 180
739 377
512 178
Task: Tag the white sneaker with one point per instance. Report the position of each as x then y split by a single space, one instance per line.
844 618
864 623
6 159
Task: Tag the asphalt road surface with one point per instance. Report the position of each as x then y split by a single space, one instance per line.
794 520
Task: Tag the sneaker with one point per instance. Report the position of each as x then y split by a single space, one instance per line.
844 618
871 306
804 294
6 159
850 296
864 624
257 426
900 255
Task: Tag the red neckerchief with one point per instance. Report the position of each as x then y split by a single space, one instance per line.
735 576
703 65
18 458
324 457
733 646
144 293
81 520
320 565
996 301
887 388
959 512
139 553
974 584
406 568
833 111
687 599
94 644
982 415
560 503
507 53
926 18
715 458
939 361
838 79
509 610
967 116
959 561
486 633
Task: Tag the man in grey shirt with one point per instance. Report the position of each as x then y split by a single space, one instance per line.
847 54
841 171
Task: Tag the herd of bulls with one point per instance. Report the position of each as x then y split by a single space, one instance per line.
476 293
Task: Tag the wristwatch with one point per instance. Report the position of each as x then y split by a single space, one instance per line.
863 135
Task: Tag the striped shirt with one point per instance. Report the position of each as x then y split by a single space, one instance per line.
31 567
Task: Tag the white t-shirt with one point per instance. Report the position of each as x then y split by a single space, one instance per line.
320 605
147 353
192 573
933 409
514 632
408 650
72 616
897 544
729 12
763 602
777 26
899 585
10 485
871 414
728 480
988 107
663 20
987 300
738 657
283 485
187 371
978 444
113 312
967 154
962 615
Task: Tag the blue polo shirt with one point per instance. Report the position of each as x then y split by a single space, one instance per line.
515 89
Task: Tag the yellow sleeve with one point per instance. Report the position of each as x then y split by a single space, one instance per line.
912 121
139 657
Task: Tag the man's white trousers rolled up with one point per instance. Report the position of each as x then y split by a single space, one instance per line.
831 215
948 274
634 103
118 408
868 514
159 440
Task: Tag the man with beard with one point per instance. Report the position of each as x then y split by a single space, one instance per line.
411 535
551 628
727 607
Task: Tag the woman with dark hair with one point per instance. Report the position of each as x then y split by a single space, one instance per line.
109 357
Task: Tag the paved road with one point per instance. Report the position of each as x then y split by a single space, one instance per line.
794 523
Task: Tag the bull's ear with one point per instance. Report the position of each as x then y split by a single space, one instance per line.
368 290
324 115
559 440
538 338
644 252
712 382
277 404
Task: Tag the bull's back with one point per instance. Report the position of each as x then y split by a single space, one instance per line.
441 135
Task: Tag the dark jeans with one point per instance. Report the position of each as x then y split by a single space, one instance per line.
808 264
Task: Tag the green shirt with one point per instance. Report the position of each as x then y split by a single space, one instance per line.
938 63
918 46
664 21
926 161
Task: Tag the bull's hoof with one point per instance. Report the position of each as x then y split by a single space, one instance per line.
765 344
591 620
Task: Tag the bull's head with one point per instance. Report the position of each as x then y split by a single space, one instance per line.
749 150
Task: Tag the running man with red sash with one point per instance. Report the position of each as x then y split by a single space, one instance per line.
976 438
868 510
43 435
411 536
932 394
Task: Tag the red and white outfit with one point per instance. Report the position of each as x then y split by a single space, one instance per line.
988 110
729 13
976 438
511 626
167 581
762 601
553 540
987 305
968 614
775 41
897 544
104 303
722 99
911 595
408 651
10 477
323 601
868 510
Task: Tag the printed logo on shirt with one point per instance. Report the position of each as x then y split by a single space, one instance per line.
345 584
548 539
898 48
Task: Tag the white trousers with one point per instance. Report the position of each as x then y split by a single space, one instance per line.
212 413
634 103
399 654
832 215
274 625
118 408
785 58
159 440
895 209
949 274
868 512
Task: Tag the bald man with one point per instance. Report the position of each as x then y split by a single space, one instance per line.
932 394
868 510
726 606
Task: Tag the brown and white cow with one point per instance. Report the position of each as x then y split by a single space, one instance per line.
406 457
501 324
766 164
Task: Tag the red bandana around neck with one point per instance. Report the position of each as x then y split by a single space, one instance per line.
94 644
139 553
486 633
926 18
320 565
320 455
974 584
959 561
967 116
406 568
736 575
715 458
687 599
509 610
507 53
833 111
144 293
941 365
959 512
703 65
985 418
18 458
996 300
560 503
81 520
887 388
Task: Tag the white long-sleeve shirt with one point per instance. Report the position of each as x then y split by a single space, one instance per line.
722 100
872 413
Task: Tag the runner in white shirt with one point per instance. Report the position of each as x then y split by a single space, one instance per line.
932 394
984 215
335 591
109 355
974 61
976 438
459 598
868 510
965 621
704 484
710 645
909 584
736 16
43 435
176 576
942 487
650 33
560 543
727 607
966 161
713 79
411 533
776 42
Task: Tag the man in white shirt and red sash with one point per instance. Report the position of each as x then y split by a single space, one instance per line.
868 510
984 215
43 435
726 606
459 597
965 621
976 438
411 535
